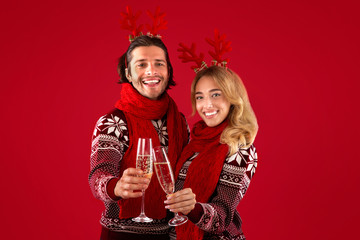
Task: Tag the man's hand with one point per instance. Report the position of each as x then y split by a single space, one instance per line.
182 201
131 181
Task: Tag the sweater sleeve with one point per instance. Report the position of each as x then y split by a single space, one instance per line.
220 212
109 143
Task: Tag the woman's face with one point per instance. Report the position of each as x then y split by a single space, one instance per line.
211 104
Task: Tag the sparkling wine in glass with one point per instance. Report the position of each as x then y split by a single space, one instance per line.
166 179
145 163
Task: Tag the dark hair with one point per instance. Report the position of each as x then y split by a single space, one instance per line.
143 41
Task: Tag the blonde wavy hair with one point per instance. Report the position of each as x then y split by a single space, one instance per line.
243 127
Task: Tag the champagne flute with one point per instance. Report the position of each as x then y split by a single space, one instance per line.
166 179
145 163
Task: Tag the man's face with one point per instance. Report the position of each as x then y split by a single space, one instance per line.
149 71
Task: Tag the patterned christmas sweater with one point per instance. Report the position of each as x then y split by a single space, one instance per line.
110 141
219 217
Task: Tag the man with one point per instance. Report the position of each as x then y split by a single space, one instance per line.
144 110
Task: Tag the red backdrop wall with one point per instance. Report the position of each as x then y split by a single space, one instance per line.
298 59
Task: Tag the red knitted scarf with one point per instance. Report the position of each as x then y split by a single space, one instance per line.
139 111
204 171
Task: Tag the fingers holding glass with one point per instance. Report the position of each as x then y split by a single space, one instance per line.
129 185
182 201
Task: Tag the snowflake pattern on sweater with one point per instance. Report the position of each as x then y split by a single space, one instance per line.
110 141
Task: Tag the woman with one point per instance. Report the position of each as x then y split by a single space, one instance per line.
215 169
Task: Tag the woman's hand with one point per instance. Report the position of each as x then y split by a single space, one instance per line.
182 201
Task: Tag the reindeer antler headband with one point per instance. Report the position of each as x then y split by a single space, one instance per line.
221 46
128 22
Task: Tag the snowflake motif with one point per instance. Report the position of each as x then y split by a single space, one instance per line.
161 130
98 124
113 124
238 156
252 163
232 158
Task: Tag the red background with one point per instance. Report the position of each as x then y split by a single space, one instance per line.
298 59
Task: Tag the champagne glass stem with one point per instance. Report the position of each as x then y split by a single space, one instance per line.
143 203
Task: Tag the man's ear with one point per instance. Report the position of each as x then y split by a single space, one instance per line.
127 74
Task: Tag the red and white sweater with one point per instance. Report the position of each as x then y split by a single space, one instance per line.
109 143
219 217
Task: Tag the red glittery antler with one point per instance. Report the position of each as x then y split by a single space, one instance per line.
158 22
189 55
129 23
221 46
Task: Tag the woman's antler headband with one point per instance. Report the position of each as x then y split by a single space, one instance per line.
128 22
221 46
